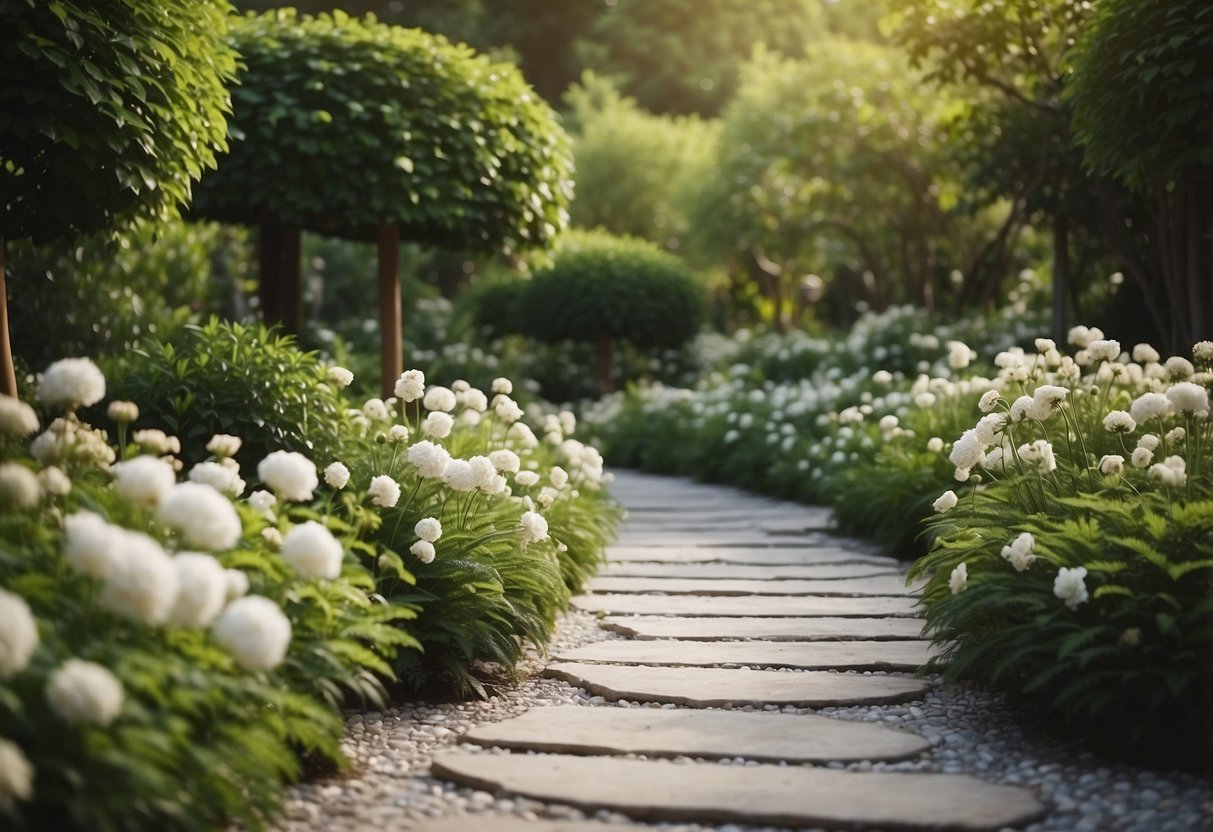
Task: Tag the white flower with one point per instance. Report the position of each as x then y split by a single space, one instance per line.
440 399
483 470
16 774
312 551
505 461
526 478
72 382
202 587
503 386
384 491
1202 351
1112 465
19 486
375 410
18 634
224 445
474 400
84 693
568 421
1045 399
1119 422
1081 336
437 424
424 550
91 543
223 478
398 434
1179 367
1176 435
507 410
202 515
255 632
1019 553
959 578
17 419
989 428
340 376
140 582
290 475
924 400
410 386
534 527
156 442
945 502
1188 398
1141 457
54 481
336 475
1149 441
272 536
1069 586
1044 345
934 444
559 477
525 435
428 528
122 412
144 480
237 585
1145 354
430 459
987 401
263 503
1149 406
1103 350
1021 409
460 475
1171 472
967 451
882 377
1039 454
959 355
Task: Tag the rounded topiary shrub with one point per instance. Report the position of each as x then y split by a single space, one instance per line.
604 289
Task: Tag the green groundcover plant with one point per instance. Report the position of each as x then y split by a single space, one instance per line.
175 640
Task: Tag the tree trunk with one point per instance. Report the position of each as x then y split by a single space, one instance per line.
280 248
606 365
1061 275
8 375
391 337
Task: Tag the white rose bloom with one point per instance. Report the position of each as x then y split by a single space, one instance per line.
507 410
312 551
474 400
1149 406
19 486
72 382
92 543
340 376
1188 398
202 586
1112 465
18 634
1119 421
17 419
223 478
1141 457
140 583
336 475
430 459
1019 553
202 515
263 503
290 475
144 480
424 550
54 481
254 631
428 529
84 693
224 445
384 491
410 386
526 478
439 399
503 386
959 578
437 424
534 527
460 476
16 773
237 585
945 503
1069 586
375 410
1145 354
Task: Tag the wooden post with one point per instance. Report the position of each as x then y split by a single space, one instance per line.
8 376
391 340
279 250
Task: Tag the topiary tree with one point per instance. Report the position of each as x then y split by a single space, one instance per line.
108 111
372 132
602 289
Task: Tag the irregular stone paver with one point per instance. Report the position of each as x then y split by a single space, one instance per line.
735 571
881 585
791 556
658 732
826 655
778 795
703 687
750 606
513 823
644 627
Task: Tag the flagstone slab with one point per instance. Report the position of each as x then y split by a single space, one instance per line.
708 537
754 555
513 823
750 606
735 571
648 627
882 585
657 732
826 655
710 687
753 795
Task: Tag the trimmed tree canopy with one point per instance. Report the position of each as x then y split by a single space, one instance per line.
109 109
341 126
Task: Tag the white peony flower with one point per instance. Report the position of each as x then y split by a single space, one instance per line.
16 774
224 445
503 386
1069 586
254 631
505 461
1112 465
988 400
202 515
336 475
92 543
18 634
144 480
424 550
312 551
1119 422
263 503
237 585
19 486
384 491
340 376
1019 553
945 502
410 386
440 399
959 578
140 582
526 478
202 587
1149 406
84 693
534 527
428 528
290 475
437 424
1188 398
430 459
17 419
54 481
73 382
223 478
